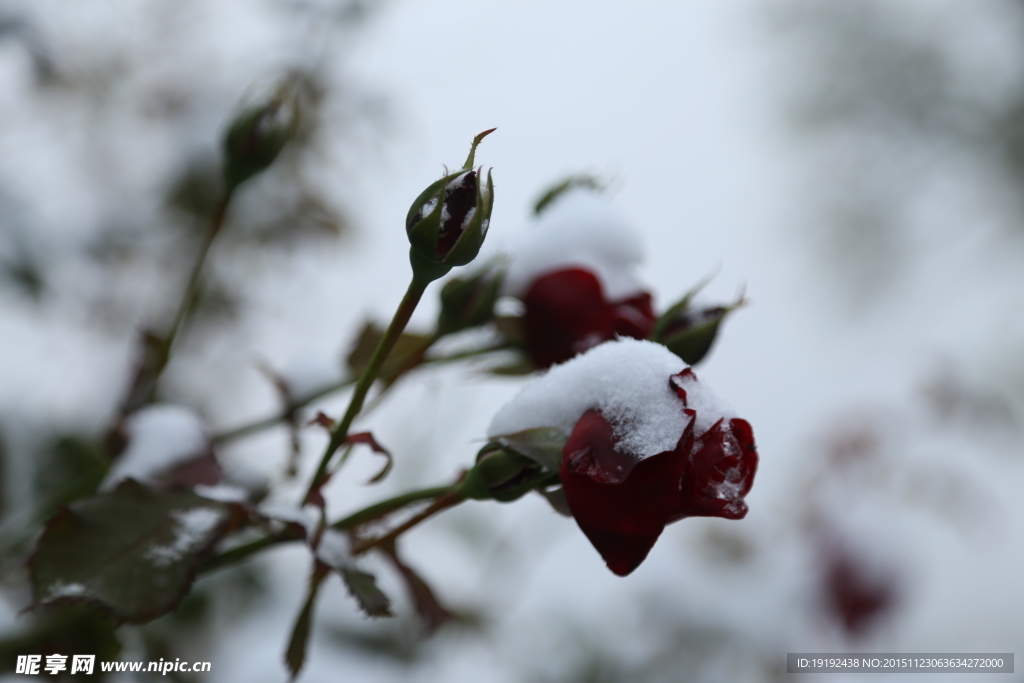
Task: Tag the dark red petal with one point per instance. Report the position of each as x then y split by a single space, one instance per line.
566 314
634 317
621 514
459 199
719 471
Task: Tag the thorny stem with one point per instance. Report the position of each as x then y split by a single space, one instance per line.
244 551
380 354
384 507
450 499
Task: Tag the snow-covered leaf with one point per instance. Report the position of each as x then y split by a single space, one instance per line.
132 551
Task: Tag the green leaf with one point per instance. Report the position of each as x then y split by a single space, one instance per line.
407 353
363 587
563 186
543 445
69 469
516 368
295 655
133 552
68 630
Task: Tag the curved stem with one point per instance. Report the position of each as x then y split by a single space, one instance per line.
390 505
188 298
450 499
387 342
155 352
242 552
267 422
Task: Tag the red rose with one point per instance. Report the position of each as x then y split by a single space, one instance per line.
567 313
622 502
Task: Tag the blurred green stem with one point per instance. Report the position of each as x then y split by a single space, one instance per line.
384 507
186 304
398 322
155 351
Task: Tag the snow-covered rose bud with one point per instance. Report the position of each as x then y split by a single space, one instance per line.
259 133
647 445
574 274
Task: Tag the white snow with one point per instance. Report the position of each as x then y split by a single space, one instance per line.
628 381
59 589
580 229
160 437
308 517
224 493
710 409
191 530
428 208
309 374
334 549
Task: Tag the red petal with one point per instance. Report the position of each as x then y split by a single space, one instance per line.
566 314
621 514
719 472
634 317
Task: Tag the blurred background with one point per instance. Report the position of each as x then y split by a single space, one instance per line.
858 168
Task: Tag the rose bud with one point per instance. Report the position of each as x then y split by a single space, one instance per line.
469 302
259 133
500 474
647 445
574 277
447 223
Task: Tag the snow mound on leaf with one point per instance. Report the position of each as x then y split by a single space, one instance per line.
159 438
191 531
626 379
334 550
580 229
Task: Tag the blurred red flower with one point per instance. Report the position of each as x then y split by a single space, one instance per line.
567 313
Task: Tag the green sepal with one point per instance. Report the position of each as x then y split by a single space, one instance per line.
469 302
424 230
499 474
